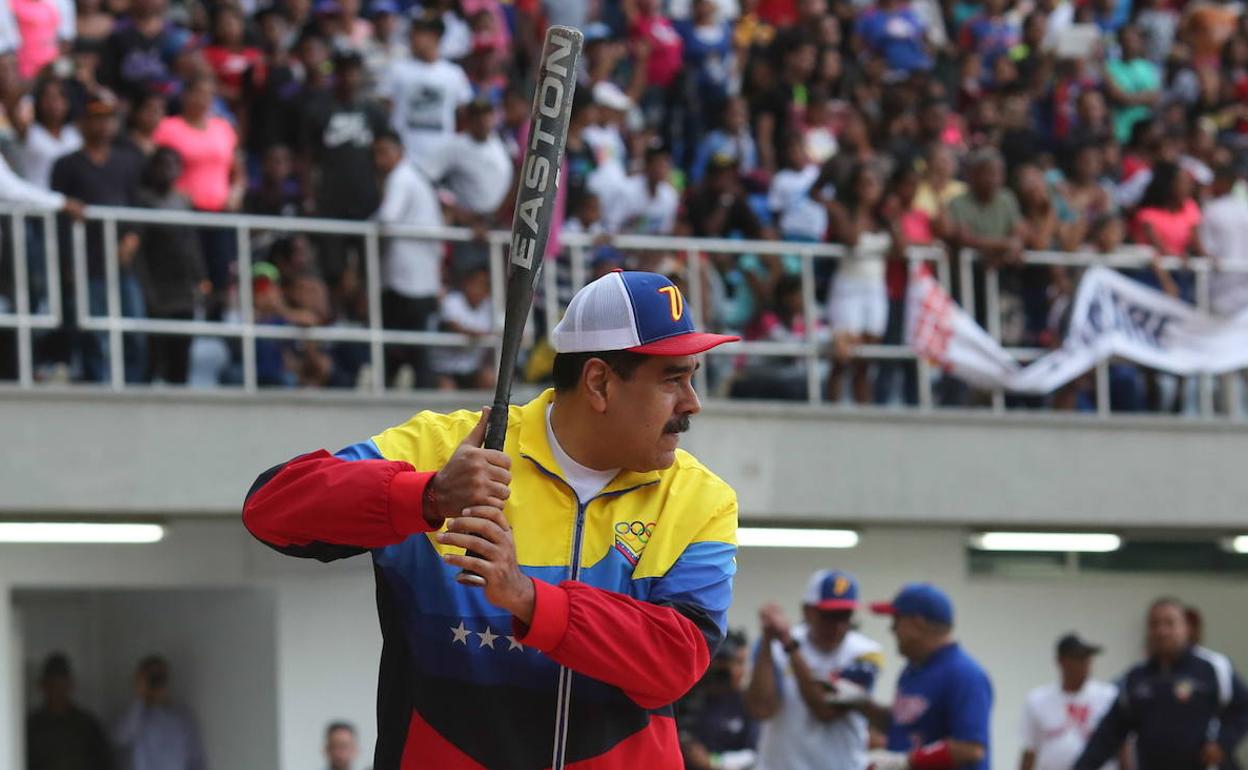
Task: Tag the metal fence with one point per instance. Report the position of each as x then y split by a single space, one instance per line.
26 321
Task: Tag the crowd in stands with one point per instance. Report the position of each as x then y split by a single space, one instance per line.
999 125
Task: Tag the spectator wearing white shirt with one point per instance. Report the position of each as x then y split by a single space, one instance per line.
799 217
645 203
604 136
469 311
425 91
805 676
1224 234
1058 718
474 166
18 192
50 136
10 38
411 269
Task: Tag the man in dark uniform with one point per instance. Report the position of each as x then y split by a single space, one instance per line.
1186 707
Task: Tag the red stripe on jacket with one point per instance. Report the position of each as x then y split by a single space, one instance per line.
319 498
426 749
653 653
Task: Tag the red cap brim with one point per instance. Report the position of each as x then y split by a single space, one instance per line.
836 604
883 608
684 344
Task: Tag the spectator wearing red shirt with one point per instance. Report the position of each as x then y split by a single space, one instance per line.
230 58
658 50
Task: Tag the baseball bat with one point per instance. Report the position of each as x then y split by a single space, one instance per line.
530 227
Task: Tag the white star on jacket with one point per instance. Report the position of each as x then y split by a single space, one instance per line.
487 638
461 633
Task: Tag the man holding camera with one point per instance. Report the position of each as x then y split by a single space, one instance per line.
154 733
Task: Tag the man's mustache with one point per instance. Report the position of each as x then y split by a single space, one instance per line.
677 424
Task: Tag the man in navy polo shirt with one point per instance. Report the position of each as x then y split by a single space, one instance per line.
940 714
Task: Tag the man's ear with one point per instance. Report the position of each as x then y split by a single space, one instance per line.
596 383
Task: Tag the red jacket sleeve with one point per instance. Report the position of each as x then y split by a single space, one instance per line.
324 507
651 652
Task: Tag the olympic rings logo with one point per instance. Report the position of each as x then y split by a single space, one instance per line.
638 530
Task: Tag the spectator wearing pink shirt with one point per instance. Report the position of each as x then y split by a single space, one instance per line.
208 145
1168 220
38 22
212 173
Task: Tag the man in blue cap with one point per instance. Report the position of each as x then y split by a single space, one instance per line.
818 670
940 714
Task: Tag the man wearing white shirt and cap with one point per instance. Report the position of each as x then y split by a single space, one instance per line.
1059 717
817 671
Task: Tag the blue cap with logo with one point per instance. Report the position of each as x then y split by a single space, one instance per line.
922 600
831 589
631 310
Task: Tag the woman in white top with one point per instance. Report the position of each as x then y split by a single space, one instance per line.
799 215
50 136
858 298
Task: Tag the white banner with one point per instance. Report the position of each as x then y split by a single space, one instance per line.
1112 316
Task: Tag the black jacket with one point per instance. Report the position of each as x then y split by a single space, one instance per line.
1173 712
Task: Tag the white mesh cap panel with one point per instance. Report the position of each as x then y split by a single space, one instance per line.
599 317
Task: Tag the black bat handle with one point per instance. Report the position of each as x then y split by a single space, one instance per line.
495 437
538 182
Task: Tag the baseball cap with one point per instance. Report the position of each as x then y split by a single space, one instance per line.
1071 646
722 161
831 589
631 310
100 103
479 105
426 21
383 7
597 31
923 600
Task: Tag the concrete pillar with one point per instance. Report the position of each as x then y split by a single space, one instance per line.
12 734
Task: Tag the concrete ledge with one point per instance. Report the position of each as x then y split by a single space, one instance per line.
81 451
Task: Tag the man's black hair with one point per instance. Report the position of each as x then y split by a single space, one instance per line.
388 135
568 366
55 666
339 725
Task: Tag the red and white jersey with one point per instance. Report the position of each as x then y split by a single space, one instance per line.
1057 724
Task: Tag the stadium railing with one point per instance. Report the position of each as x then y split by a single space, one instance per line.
19 316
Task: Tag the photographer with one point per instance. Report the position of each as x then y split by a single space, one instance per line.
155 734
715 731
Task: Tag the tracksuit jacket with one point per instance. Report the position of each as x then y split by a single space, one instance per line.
632 591
1173 712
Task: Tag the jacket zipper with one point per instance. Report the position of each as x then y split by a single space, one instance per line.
563 699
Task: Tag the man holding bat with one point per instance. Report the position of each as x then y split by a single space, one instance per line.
607 553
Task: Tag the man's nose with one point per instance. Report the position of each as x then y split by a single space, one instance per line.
689 403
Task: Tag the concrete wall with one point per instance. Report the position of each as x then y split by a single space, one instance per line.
326 642
175 453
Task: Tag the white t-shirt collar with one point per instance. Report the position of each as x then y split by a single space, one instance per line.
586 482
